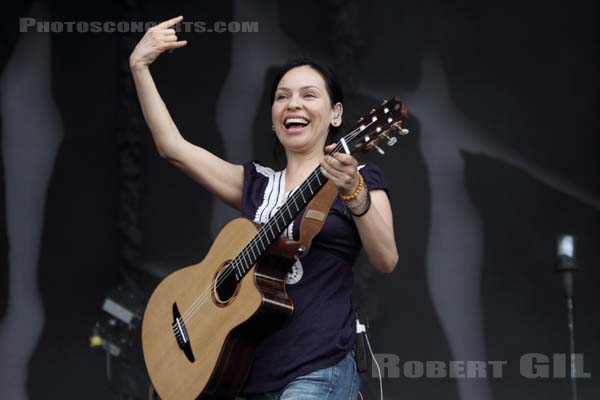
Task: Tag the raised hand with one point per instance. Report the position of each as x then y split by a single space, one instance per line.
156 40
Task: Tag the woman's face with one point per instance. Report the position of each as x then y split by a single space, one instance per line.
302 111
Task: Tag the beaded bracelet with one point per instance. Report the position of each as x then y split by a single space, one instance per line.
353 195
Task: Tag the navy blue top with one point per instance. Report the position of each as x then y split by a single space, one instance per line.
321 330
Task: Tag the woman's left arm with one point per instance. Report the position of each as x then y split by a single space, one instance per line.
376 230
373 217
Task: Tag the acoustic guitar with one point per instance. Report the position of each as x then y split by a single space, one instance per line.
203 323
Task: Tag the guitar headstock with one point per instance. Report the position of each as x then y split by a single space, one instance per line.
380 125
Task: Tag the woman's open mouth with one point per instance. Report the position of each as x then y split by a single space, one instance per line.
295 124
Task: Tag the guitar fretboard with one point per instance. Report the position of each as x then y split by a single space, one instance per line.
272 230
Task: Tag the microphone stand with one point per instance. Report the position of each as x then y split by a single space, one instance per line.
567 267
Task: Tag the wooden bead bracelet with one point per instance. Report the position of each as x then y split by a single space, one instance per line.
353 195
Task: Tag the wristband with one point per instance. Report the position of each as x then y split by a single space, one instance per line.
366 209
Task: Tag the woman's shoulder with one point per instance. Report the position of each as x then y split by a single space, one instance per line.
258 168
373 177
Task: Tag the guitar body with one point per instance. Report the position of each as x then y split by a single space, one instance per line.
222 328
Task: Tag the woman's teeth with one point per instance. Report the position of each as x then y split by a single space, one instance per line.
295 121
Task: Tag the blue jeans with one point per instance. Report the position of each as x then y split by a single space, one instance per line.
340 382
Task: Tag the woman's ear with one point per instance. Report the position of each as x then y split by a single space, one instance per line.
338 110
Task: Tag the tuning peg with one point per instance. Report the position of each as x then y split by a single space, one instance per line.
372 111
384 103
379 149
392 141
398 128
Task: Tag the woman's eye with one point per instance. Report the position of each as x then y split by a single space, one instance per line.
310 95
280 97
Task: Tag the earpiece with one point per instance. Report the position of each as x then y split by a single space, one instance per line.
336 113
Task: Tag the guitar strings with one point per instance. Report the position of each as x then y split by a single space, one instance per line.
191 311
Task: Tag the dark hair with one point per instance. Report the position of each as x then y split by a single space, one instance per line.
331 84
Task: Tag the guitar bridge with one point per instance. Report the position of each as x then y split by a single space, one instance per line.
181 335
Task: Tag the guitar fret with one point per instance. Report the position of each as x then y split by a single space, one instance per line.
318 180
255 253
260 245
285 223
271 230
263 247
244 261
245 265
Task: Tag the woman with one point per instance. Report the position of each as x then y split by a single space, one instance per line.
310 357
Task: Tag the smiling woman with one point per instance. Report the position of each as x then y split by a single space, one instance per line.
315 343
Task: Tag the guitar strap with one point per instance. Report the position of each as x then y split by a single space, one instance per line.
316 213
311 224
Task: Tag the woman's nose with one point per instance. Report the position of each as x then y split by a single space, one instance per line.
294 102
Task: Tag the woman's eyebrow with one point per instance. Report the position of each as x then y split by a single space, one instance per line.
302 88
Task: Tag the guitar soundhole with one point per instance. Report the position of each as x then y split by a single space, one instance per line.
226 286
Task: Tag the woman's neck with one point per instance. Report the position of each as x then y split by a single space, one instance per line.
300 165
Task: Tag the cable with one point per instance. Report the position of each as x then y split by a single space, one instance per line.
377 364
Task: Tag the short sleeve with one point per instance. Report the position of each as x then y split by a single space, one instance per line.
373 177
254 184
249 171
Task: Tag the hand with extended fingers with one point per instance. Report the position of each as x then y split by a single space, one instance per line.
157 39
341 169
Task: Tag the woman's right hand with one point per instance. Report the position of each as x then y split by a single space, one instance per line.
156 40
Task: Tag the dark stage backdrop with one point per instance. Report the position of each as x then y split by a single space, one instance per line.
503 155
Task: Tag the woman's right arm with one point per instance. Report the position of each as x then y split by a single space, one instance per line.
223 179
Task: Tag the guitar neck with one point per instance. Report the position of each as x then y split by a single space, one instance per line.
272 230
